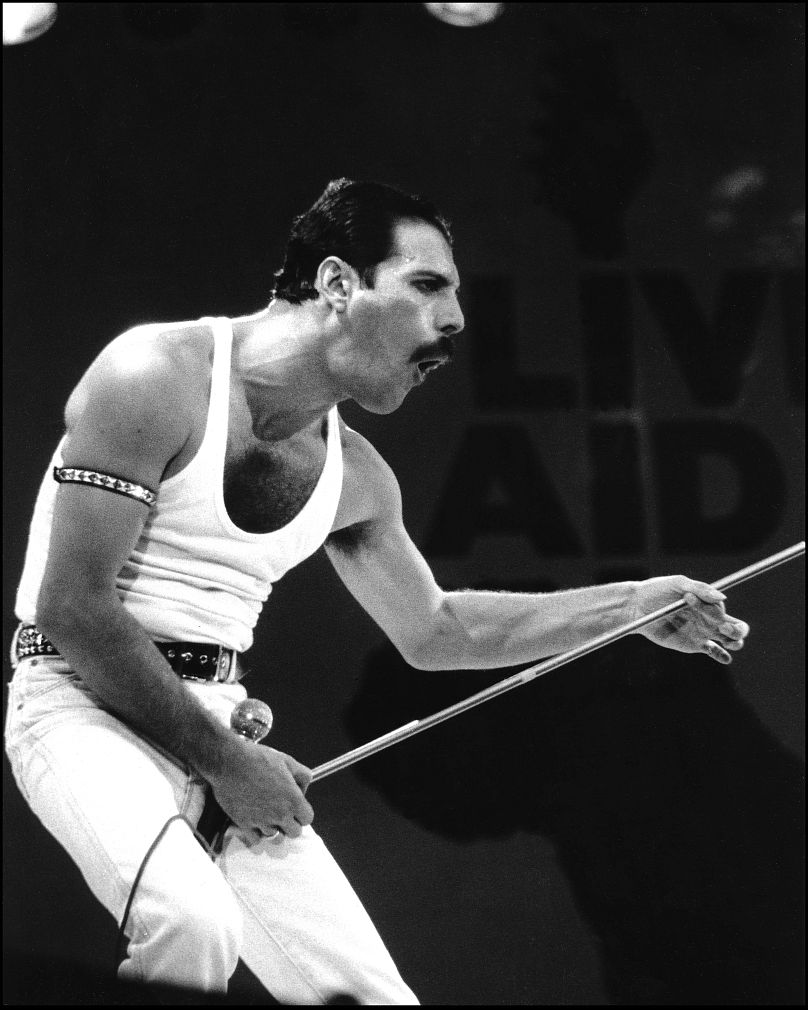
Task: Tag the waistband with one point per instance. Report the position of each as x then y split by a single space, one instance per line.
204 662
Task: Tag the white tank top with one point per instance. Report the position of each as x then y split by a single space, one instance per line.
194 575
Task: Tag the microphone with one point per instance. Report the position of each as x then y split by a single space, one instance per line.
251 719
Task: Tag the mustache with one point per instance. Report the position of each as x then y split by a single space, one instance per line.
442 349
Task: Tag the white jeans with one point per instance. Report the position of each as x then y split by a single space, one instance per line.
282 905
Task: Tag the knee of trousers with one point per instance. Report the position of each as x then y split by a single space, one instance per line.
207 926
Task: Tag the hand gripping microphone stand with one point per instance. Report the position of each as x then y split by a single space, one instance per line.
532 672
253 719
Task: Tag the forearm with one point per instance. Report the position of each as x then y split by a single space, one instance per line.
114 656
482 630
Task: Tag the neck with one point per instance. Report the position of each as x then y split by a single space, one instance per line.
280 362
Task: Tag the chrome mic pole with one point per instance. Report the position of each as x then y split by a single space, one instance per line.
532 672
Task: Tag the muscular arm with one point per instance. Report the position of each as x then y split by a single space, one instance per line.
127 418
436 630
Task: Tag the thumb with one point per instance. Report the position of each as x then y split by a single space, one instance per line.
701 591
300 773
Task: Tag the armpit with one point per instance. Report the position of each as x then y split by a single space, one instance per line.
347 540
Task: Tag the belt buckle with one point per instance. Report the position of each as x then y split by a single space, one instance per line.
220 660
28 641
224 664
14 655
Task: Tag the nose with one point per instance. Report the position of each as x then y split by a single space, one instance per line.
453 321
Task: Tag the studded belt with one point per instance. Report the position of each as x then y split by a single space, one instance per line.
200 661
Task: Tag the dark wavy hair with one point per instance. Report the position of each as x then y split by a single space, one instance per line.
352 220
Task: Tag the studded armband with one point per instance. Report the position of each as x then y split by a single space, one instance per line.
104 481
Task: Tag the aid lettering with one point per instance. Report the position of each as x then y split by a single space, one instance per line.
618 512
497 485
689 456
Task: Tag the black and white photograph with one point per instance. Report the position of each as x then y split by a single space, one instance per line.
404 424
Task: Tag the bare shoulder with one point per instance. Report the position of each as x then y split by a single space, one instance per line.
142 364
139 396
370 490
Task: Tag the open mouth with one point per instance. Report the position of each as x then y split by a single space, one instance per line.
429 365
433 357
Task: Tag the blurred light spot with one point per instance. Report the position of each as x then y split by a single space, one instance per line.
24 22
743 182
797 219
465 15
720 220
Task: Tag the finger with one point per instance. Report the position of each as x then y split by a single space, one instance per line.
304 813
714 651
255 836
734 628
291 828
702 593
300 773
705 593
733 644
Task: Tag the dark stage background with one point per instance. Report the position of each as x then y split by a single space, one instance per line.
626 187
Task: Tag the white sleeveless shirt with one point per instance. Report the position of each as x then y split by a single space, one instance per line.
194 576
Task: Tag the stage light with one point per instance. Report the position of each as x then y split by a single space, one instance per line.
24 22
739 184
465 15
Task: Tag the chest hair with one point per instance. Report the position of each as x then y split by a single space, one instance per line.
266 485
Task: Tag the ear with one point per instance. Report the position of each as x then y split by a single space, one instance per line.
337 281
